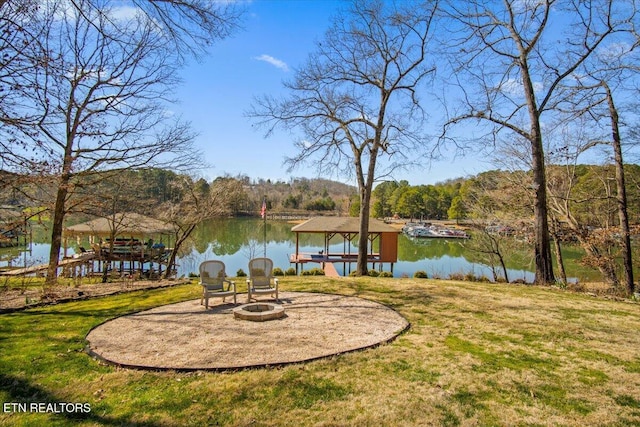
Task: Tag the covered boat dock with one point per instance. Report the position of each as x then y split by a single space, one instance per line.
126 240
348 228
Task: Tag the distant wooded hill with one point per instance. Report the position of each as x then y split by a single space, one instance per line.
588 191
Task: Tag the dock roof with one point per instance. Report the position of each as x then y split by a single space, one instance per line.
123 223
333 224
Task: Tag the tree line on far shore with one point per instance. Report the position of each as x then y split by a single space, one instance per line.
492 196
492 200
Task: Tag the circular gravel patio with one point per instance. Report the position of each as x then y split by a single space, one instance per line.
185 336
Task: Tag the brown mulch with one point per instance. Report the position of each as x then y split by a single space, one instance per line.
19 299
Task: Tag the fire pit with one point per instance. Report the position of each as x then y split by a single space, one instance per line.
259 312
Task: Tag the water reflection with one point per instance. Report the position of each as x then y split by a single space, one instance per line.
235 241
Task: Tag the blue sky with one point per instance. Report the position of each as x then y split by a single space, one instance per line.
278 36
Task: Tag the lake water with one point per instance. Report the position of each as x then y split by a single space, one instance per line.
236 241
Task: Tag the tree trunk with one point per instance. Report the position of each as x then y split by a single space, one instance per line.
366 188
503 264
363 236
108 264
179 241
56 233
621 195
558 251
542 249
544 267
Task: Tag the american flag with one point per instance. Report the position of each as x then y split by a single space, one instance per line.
263 210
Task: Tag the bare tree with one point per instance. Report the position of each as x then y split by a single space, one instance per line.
21 31
355 100
189 26
509 64
619 66
494 202
621 194
200 202
101 96
604 79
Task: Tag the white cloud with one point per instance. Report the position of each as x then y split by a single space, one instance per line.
125 13
273 61
66 9
514 87
614 51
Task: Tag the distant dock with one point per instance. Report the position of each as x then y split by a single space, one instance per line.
70 263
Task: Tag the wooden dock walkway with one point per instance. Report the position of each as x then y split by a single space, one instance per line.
35 269
330 270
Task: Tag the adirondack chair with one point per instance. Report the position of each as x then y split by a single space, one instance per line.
261 280
213 280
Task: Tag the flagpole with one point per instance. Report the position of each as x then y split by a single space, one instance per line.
264 226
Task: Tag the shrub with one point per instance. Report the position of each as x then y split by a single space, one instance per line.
290 271
456 276
241 273
470 277
278 272
375 273
313 272
420 275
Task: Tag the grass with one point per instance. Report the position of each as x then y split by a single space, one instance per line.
476 354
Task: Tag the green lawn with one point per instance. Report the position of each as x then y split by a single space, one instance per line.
476 354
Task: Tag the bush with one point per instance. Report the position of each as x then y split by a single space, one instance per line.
278 272
290 271
470 277
374 273
241 273
313 272
456 276
420 275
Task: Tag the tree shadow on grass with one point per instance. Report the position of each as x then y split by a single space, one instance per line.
21 391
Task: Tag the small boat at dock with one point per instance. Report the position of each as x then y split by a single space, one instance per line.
433 231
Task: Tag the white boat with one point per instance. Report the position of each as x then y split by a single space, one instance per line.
434 232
